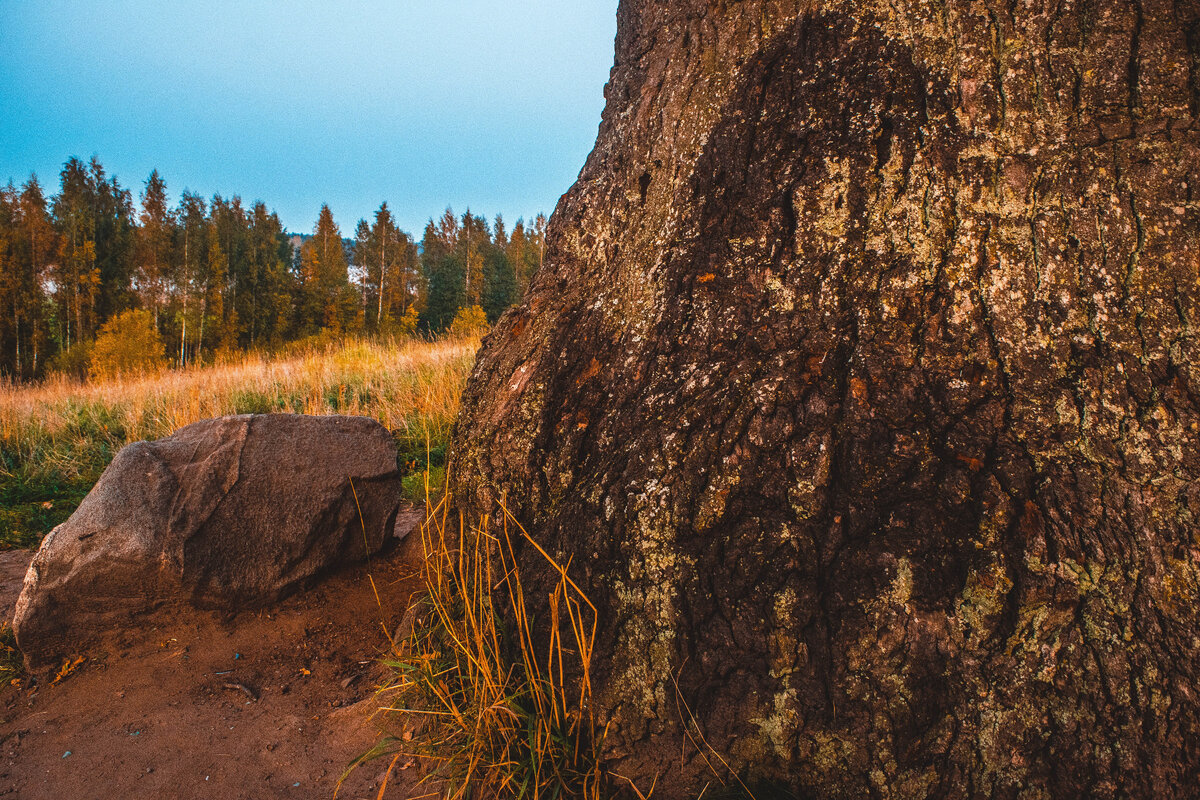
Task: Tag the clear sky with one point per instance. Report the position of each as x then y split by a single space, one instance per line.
423 103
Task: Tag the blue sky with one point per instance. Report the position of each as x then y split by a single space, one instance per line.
426 104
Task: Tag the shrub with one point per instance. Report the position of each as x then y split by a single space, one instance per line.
74 362
469 321
128 344
407 325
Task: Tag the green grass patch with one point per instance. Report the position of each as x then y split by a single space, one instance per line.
44 480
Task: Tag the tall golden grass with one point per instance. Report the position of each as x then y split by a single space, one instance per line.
56 437
397 382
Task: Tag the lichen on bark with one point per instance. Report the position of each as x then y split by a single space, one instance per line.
860 387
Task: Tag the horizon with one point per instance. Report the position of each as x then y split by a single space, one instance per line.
349 107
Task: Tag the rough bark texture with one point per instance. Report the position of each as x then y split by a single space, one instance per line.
860 384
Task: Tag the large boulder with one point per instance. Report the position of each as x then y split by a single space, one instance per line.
227 513
860 385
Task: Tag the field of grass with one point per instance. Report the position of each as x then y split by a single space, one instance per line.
56 438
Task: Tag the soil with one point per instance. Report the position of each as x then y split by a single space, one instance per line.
270 704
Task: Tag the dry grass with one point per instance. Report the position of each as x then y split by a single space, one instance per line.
56 437
479 705
11 665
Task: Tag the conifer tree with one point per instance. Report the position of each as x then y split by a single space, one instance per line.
34 244
515 250
500 285
474 238
9 277
324 273
385 239
360 258
499 233
272 289
445 292
76 270
192 241
212 294
115 238
155 241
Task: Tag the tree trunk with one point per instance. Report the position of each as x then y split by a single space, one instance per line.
382 281
17 341
184 286
203 311
860 384
183 333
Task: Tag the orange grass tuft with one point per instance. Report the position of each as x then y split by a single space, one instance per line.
494 714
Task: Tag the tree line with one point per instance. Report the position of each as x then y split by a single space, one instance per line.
215 276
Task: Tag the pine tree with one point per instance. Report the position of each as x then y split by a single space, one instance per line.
499 233
115 237
499 285
515 250
474 239
360 259
325 276
272 288
28 244
191 241
76 275
212 293
444 279
155 241
10 271
385 239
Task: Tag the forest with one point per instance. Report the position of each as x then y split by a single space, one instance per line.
202 279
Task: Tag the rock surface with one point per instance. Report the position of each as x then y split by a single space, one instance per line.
862 386
228 513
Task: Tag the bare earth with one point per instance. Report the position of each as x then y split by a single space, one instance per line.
205 706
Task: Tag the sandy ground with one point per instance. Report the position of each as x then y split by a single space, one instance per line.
272 704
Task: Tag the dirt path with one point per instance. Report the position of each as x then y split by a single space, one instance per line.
262 705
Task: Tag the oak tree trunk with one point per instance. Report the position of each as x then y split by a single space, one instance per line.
861 387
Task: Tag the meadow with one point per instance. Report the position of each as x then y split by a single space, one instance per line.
57 437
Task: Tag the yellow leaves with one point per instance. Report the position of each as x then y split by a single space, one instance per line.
128 344
67 668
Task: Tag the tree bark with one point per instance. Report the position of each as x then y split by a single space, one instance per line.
860 387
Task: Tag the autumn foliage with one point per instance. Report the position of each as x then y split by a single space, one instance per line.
216 277
128 344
